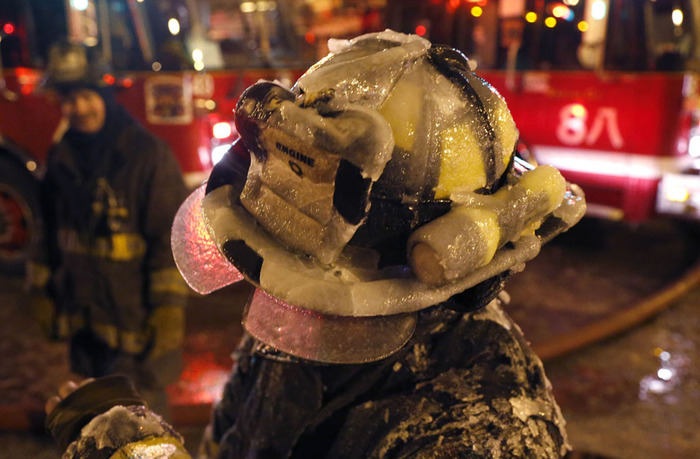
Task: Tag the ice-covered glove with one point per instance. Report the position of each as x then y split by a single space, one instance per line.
106 417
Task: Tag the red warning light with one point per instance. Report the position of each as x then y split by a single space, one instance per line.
420 30
109 79
8 28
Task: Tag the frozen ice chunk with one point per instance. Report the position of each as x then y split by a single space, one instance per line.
359 73
313 168
468 236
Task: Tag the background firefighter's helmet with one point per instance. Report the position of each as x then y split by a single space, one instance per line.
387 154
73 65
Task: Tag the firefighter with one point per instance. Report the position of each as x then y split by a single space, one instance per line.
104 277
378 210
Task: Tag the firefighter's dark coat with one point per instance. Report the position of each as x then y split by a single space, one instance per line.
467 385
105 270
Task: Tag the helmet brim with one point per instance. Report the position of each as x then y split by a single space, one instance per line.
325 338
196 255
216 242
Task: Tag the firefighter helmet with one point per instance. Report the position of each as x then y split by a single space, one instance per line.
72 65
384 182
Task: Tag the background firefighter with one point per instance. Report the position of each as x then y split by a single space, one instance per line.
104 276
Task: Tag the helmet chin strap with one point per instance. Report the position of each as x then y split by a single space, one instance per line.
325 338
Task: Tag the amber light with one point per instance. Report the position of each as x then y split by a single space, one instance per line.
578 110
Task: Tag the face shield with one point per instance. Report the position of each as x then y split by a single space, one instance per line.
383 183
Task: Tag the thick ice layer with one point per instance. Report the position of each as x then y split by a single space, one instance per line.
345 288
363 71
468 236
310 176
451 129
388 121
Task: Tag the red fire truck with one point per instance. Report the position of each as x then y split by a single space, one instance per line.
608 91
179 66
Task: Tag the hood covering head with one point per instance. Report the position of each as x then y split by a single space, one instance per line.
383 183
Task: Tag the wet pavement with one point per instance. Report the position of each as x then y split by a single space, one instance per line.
631 395
636 395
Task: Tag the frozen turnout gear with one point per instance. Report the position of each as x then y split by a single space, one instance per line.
383 183
104 277
466 385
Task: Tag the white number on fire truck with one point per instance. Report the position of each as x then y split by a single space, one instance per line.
573 128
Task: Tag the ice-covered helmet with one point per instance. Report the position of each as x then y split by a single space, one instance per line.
384 182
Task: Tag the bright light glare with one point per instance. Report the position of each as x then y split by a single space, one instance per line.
266 6
222 130
583 26
174 26
531 17
80 5
197 54
677 17
694 146
560 11
199 66
665 356
578 110
665 374
677 194
656 387
217 153
550 22
248 7
599 9
477 11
